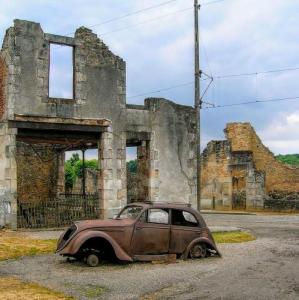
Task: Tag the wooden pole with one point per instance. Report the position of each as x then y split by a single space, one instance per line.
197 99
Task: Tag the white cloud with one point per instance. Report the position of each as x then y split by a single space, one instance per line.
282 136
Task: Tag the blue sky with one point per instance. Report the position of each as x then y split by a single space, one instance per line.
239 36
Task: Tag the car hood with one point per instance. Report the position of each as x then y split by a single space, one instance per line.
89 224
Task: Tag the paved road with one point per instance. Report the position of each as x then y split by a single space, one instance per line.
267 268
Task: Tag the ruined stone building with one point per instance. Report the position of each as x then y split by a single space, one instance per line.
36 129
240 172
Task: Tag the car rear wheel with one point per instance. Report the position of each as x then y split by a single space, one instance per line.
198 251
92 259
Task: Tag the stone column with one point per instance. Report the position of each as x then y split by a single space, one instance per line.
8 177
154 172
112 178
143 171
60 173
105 180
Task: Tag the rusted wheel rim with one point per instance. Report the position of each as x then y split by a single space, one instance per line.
92 260
198 251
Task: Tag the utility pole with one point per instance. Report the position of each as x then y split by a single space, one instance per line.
197 99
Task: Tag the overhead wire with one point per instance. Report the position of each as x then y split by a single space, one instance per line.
147 21
163 89
211 2
215 77
253 102
256 73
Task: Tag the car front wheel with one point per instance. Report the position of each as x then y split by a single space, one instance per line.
198 250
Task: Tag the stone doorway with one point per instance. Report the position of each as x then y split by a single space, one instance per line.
138 170
42 198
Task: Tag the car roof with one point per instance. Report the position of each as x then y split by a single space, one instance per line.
178 205
174 205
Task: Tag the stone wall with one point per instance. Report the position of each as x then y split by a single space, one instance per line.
246 167
164 131
8 177
216 176
2 87
37 172
91 183
278 176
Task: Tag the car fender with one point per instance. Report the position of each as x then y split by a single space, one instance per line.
77 241
199 240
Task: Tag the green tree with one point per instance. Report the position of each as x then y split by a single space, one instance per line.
132 166
74 169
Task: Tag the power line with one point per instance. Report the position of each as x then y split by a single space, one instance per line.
217 77
212 2
253 102
129 14
256 73
163 89
147 21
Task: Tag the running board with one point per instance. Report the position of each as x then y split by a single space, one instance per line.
159 257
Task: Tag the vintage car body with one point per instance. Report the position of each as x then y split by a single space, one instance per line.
140 232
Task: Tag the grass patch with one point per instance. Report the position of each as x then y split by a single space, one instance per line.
14 245
94 291
12 288
233 237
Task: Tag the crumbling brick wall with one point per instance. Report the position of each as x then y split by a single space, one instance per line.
2 87
37 170
216 177
246 168
279 176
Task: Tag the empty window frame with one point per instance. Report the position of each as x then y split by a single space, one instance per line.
183 218
61 71
157 215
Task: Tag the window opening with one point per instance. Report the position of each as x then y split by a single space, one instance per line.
183 218
61 71
157 215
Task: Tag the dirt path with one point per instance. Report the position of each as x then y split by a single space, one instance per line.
267 268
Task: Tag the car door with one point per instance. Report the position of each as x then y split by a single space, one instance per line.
184 229
152 233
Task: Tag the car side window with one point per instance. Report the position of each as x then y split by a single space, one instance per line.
183 218
157 215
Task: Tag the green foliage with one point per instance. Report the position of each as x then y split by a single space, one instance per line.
290 159
132 166
74 168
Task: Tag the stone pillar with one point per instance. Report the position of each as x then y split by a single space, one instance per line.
112 178
8 177
154 171
60 173
255 190
105 180
121 175
143 171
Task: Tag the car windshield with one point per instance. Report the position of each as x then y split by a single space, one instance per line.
130 212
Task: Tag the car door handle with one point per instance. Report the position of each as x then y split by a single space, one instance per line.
138 228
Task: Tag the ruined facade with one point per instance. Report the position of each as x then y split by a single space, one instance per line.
241 172
36 130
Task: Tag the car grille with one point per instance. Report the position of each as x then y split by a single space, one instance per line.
68 233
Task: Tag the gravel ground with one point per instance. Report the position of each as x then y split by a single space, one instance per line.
267 268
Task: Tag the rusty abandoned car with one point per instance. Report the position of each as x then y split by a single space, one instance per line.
140 232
